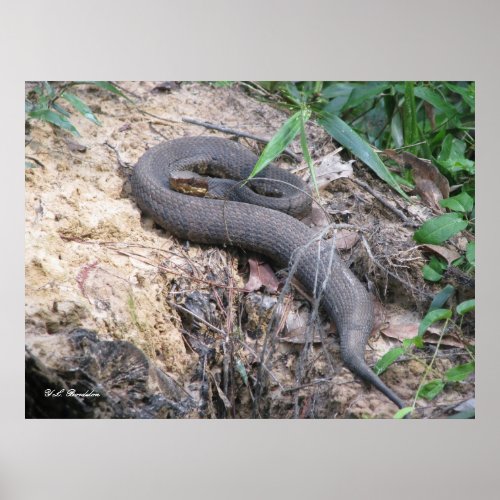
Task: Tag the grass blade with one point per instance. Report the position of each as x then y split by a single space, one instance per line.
56 119
285 135
410 125
81 107
307 155
346 136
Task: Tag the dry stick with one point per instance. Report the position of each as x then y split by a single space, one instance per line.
118 157
386 204
220 128
232 131
303 386
38 162
212 327
156 131
394 275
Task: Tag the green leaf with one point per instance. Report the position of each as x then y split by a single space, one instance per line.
437 264
431 317
432 97
240 368
431 389
346 136
109 87
54 118
460 372
363 92
466 306
410 125
388 359
439 229
397 131
223 83
442 297
285 135
305 151
452 156
460 203
81 107
470 252
468 93
61 110
400 414
430 274
337 89
335 106
49 89
292 93
416 341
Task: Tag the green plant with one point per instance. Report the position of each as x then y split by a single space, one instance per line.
430 389
434 120
46 103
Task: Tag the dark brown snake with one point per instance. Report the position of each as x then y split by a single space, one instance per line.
261 229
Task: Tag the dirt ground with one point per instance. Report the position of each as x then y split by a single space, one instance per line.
92 261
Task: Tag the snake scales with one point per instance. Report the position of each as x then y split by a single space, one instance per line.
270 230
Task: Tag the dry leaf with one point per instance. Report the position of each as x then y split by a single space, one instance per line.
405 326
317 218
345 239
430 184
332 167
448 254
261 275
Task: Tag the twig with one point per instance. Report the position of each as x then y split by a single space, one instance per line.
390 273
232 131
303 386
123 89
38 162
199 318
156 131
118 157
386 204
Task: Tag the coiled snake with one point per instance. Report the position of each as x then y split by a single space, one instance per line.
270 230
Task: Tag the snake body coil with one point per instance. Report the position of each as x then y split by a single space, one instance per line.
273 233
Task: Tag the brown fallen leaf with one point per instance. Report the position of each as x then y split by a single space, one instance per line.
332 167
261 275
405 327
345 239
430 184
447 253
317 218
